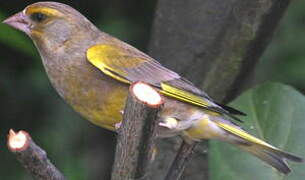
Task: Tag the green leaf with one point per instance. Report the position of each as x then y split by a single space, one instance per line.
15 39
276 114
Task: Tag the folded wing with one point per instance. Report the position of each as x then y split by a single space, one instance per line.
129 65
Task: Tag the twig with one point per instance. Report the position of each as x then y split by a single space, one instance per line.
136 135
32 157
176 170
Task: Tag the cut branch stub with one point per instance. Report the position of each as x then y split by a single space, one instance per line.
18 141
146 94
32 157
134 151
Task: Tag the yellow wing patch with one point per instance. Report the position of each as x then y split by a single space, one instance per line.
240 133
182 95
127 66
111 60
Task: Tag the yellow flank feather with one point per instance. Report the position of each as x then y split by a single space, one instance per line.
182 95
242 134
204 129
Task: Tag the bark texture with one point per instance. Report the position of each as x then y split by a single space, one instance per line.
177 168
135 146
34 159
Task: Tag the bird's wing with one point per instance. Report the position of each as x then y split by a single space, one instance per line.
130 65
124 66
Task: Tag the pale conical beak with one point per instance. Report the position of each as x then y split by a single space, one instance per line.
19 21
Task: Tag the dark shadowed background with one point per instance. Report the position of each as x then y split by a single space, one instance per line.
78 148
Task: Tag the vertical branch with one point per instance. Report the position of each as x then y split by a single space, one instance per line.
177 168
32 157
134 151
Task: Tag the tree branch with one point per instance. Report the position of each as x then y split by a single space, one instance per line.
176 170
32 157
134 151
215 44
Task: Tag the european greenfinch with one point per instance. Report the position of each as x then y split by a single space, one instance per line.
92 71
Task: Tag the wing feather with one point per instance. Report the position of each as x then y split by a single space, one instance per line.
126 65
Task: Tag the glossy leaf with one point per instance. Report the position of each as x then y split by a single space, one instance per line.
276 114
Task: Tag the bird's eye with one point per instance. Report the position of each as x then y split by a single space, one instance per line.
38 17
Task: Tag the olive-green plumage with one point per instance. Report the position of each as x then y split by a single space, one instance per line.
92 71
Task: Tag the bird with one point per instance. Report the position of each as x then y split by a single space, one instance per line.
92 71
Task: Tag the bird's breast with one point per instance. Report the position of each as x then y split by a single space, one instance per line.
97 97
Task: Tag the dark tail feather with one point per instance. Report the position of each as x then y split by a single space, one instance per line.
274 157
291 157
231 110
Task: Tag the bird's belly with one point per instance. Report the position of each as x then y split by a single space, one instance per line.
101 105
97 97
100 108
204 128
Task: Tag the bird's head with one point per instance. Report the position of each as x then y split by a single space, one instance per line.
51 24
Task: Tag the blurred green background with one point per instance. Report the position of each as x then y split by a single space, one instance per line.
78 148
